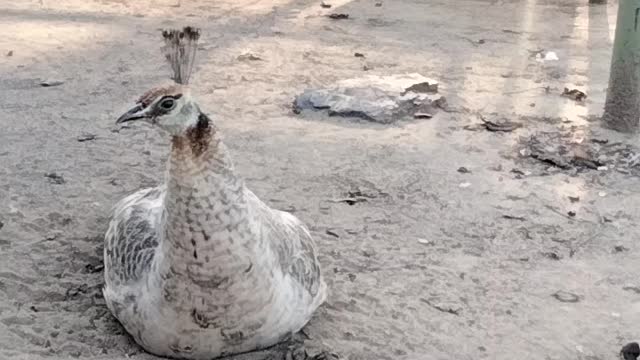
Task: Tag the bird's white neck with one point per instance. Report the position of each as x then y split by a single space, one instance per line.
205 212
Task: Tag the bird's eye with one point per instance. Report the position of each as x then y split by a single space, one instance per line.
168 104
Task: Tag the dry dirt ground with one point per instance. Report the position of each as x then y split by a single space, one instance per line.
428 267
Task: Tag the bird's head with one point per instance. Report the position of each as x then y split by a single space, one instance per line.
170 107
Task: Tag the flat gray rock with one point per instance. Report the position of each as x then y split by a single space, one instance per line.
382 99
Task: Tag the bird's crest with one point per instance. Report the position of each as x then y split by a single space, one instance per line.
180 48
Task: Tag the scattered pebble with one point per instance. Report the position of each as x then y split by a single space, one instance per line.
463 170
51 237
574 94
620 248
351 277
425 241
464 185
86 137
249 56
360 55
548 56
350 201
325 5
602 168
566 297
10 53
602 194
520 172
329 232
551 255
94 268
378 4
55 178
631 351
574 199
571 213
502 126
422 115
511 217
50 83
75 291
635 289
338 16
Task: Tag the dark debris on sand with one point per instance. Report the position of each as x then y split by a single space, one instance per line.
562 150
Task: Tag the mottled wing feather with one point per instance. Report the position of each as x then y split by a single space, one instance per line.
132 236
293 245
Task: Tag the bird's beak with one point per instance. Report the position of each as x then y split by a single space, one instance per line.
137 113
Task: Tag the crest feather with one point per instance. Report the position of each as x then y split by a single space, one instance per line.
179 49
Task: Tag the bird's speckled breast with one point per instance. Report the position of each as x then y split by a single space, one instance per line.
214 277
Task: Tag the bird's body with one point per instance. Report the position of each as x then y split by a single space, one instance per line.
200 267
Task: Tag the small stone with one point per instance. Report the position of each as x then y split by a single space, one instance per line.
325 5
338 16
55 178
574 94
571 213
249 56
552 256
464 185
602 168
10 53
360 55
383 99
425 241
566 297
351 277
631 351
464 170
86 137
50 83
574 199
602 194
378 4
422 115
620 248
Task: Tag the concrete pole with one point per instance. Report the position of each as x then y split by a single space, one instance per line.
622 108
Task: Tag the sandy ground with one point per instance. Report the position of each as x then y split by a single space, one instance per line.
477 286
